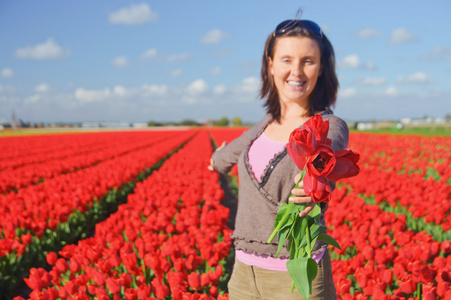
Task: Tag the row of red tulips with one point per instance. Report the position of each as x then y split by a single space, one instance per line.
44 206
169 241
406 154
18 151
422 197
62 209
381 257
77 155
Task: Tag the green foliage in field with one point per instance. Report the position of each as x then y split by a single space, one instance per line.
439 130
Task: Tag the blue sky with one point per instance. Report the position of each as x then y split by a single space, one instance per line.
110 60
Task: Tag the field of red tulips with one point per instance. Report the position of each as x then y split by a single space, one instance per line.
137 215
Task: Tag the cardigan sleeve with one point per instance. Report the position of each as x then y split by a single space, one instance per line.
224 159
338 132
339 135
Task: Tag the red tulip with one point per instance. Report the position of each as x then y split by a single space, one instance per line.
112 285
320 129
317 188
302 143
51 258
407 286
345 165
130 294
194 281
321 162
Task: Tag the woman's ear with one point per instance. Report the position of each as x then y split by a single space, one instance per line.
270 65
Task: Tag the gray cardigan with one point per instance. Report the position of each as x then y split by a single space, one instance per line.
258 202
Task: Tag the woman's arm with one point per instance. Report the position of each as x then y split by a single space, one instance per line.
226 156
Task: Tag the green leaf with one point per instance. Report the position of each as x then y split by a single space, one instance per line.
285 217
303 271
298 230
315 213
282 235
329 240
316 229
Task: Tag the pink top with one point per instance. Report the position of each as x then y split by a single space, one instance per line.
262 150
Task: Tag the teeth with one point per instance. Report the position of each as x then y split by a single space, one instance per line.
296 83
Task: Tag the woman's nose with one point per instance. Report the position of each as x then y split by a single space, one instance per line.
296 69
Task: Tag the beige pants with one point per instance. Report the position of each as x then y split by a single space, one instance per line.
252 283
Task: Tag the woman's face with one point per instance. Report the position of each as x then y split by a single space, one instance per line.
295 67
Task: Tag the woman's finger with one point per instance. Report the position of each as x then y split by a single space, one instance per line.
299 192
297 177
308 209
300 200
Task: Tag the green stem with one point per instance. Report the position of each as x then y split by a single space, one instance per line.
286 216
279 226
309 246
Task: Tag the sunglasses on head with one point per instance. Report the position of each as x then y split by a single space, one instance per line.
290 24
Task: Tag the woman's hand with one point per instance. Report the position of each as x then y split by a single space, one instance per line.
301 197
210 167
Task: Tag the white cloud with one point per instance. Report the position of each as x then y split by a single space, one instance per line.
197 87
176 73
92 95
7 89
418 77
150 53
401 36
42 88
368 33
215 71
178 57
250 85
32 99
347 93
352 62
349 62
119 91
134 15
120 62
370 66
438 53
214 36
219 89
374 81
46 50
150 90
6 73
391 91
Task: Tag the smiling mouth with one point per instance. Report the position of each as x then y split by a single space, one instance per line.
296 83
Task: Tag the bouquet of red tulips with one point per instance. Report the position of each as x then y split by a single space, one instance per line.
311 151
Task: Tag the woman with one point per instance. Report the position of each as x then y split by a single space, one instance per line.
298 81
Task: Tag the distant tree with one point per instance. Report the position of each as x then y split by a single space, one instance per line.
448 118
221 122
153 123
237 122
189 123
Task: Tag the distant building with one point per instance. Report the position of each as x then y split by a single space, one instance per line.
139 125
425 120
16 123
364 126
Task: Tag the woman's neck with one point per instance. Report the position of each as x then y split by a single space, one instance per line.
293 112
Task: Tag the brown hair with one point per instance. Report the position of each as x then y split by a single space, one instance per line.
323 96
